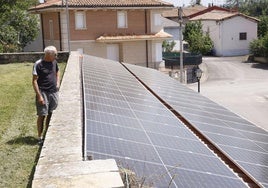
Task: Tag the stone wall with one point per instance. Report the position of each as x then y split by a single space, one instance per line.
28 57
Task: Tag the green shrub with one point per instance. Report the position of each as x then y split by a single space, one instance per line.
199 42
259 47
263 26
168 45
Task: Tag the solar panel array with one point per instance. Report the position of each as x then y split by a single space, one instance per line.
126 122
243 142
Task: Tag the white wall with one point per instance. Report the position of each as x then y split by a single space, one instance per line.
156 21
213 28
232 27
156 54
225 35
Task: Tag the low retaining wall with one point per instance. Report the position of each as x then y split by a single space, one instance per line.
261 59
28 57
61 161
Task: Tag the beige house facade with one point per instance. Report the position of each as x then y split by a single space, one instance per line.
128 31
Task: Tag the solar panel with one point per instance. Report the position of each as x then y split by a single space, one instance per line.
126 122
242 141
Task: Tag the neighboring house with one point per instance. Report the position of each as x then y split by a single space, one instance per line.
186 12
171 22
172 28
128 31
231 32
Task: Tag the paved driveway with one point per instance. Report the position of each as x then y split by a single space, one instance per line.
239 86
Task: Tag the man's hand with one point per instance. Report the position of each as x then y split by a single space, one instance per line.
41 100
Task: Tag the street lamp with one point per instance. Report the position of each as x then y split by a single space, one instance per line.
198 74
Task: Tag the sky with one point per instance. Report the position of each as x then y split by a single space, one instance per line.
178 3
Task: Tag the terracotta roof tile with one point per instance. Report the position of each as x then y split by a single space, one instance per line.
186 11
117 2
159 35
214 15
219 15
102 3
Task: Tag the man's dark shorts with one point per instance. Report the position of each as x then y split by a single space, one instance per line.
51 103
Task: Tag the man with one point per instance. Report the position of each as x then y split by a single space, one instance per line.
46 82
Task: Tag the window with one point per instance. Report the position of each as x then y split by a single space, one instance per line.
157 20
122 19
51 30
242 36
80 20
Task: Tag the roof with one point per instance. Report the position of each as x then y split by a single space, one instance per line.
209 9
167 23
101 4
160 35
219 15
186 11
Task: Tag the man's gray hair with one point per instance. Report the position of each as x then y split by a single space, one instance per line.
50 50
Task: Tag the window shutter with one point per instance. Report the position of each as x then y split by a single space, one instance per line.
121 19
80 20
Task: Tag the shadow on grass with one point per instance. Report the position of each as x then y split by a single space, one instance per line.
31 177
31 141
28 140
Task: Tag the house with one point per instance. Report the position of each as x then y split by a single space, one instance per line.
186 12
128 31
231 32
173 28
171 22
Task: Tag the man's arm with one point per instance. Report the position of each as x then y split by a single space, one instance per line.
58 79
40 99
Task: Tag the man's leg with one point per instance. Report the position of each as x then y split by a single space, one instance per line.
53 103
48 119
40 126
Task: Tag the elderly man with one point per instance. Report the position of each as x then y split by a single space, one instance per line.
46 81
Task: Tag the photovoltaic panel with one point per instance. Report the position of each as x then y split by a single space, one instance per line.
124 121
242 141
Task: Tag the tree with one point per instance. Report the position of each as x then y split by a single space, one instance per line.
249 7
263 26
195 2
17 26
234 3
199 42
259 47
168 45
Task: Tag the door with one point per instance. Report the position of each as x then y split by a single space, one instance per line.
113 52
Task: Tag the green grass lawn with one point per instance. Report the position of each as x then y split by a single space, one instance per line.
18 134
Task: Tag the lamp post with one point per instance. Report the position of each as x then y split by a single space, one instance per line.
198 74
181 45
